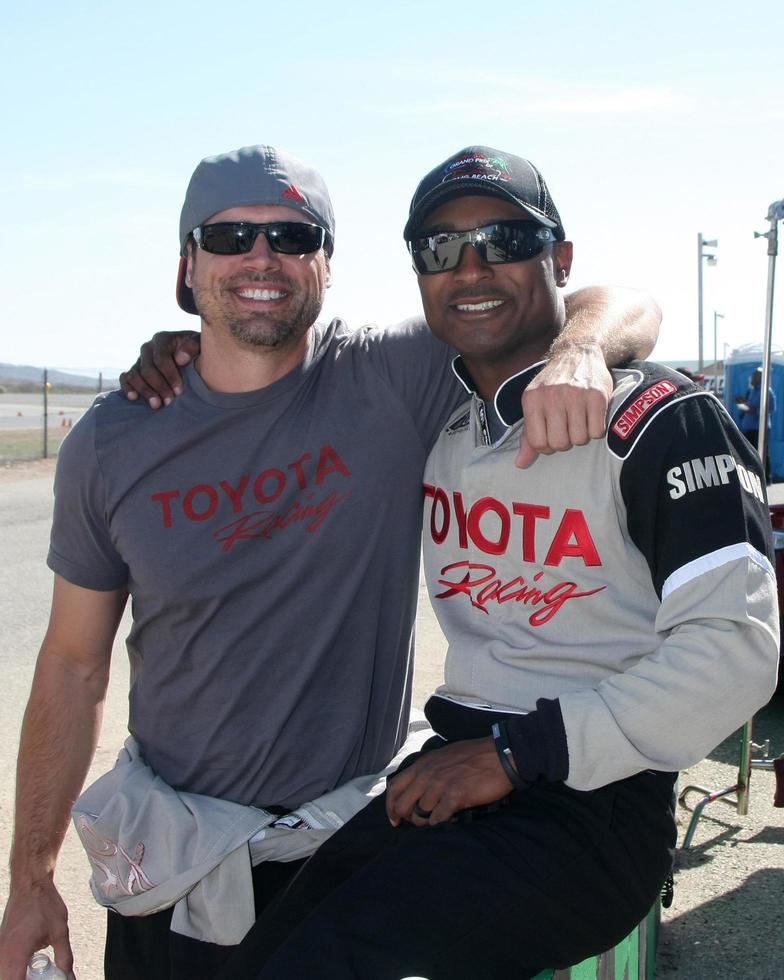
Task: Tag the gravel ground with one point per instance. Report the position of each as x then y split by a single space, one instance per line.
729 885
725 920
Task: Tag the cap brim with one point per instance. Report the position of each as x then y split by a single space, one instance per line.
462 188
184 293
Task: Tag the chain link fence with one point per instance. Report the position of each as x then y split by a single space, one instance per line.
39 407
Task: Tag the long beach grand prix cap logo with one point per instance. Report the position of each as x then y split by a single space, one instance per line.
478 166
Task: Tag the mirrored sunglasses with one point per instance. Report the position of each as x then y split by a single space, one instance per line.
503 241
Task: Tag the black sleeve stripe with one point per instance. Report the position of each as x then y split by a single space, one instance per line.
693 486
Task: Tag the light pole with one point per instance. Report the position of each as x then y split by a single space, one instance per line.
710 258
716 316
747 746
774 215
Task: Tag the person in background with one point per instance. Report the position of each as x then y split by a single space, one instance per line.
749 407
692 375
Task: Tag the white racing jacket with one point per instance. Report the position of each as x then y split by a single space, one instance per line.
618 599
151 847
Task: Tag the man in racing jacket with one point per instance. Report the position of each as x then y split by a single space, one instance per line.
610 617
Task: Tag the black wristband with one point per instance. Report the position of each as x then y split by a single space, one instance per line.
501 740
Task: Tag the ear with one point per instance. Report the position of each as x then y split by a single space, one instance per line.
562 262
327 272
190 259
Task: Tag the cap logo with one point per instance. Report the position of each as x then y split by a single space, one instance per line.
292 194
477 166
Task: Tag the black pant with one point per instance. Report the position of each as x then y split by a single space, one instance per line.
552 877
144 948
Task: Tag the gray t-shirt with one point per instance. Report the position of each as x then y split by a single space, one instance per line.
270 542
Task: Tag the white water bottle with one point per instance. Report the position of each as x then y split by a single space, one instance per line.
41 967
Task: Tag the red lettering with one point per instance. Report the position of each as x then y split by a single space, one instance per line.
531 595
165 500
235 493
261 479
572 526
460 515
572 538
440 497
463 586
263 523
492 589
477 512
212 503
330 462
439 534
530 513
554 598
297 467
203 500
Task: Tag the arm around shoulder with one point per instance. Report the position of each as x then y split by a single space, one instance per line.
566 404
58 739
624 323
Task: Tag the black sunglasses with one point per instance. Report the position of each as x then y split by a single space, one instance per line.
502 241
239 237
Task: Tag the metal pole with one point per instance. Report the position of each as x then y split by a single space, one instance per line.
775 213
701 254
747 746
744 767
46 412
716 317
715 345
699 301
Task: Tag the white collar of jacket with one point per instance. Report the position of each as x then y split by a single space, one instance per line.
508 399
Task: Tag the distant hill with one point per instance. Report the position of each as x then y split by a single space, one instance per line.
25 377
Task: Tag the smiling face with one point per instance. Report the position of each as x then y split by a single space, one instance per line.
262 298
500 317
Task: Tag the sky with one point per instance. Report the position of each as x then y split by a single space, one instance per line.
650 122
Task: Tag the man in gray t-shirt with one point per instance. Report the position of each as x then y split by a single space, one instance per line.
267 528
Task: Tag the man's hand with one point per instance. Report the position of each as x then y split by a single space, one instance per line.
446 780
154 376
566 403
34 919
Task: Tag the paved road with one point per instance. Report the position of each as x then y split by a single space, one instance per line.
25 591
730 886
26 411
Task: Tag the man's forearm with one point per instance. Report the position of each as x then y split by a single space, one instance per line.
58 740
59 735
622 323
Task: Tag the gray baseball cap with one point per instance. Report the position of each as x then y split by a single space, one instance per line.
251 175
